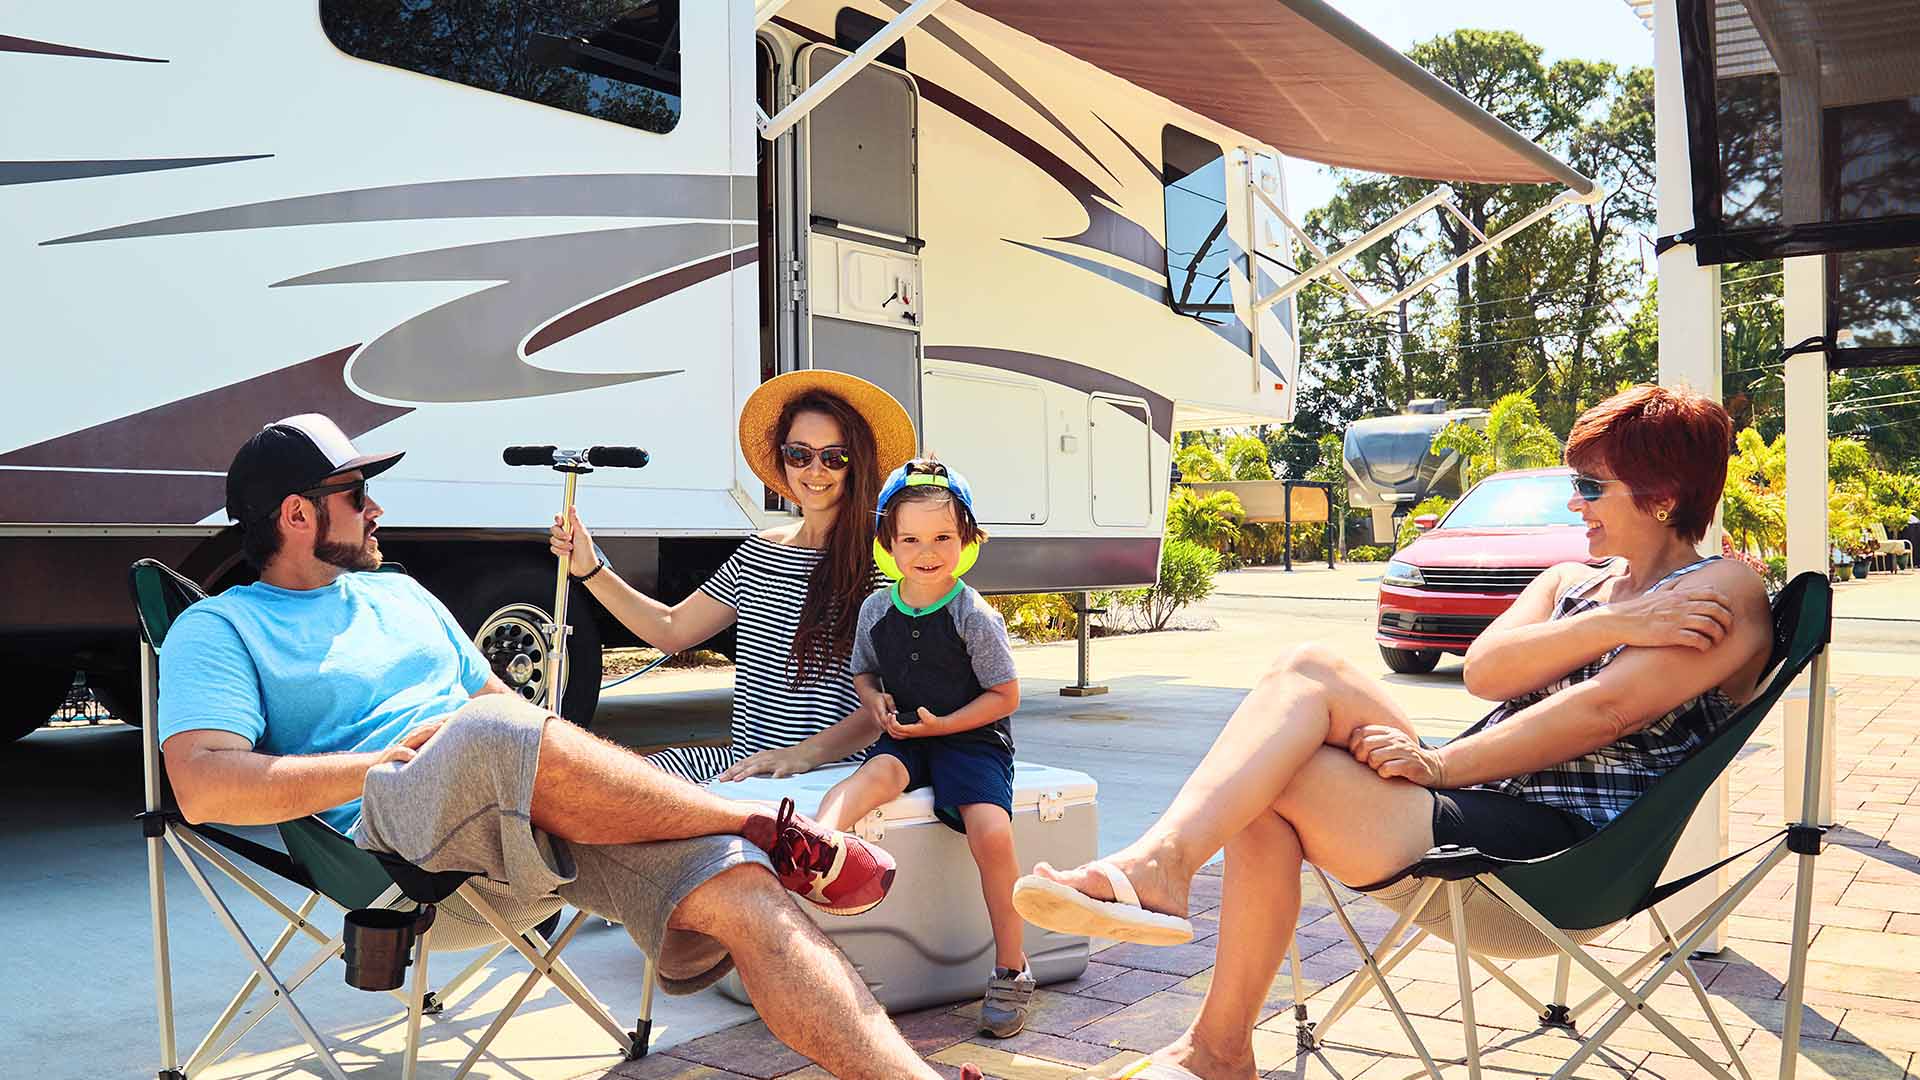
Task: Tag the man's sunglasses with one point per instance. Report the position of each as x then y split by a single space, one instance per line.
1590 488
800 455
356 492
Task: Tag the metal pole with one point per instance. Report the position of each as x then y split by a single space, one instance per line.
1286 496
1083 683
557 637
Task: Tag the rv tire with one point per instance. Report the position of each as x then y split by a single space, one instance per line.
1410 661
499 603
35 694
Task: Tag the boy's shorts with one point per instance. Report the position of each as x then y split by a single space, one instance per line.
960 772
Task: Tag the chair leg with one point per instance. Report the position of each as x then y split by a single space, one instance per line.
642 1033
1700 995
1364 977
245 993
416 1005
1557 1014
1456 911
1302 1027
1379 976
157 864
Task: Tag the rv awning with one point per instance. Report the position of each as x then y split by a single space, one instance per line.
1295 74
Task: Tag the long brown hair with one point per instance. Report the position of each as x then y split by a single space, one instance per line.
844 575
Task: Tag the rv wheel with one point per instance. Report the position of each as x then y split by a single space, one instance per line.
34 692
1410 661
504 609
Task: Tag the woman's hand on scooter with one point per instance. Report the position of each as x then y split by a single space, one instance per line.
570 540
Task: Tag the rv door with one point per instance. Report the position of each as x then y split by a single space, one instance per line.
859 197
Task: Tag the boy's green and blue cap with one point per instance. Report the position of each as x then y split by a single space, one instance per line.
925 472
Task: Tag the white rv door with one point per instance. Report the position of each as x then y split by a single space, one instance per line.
860 199
1121 460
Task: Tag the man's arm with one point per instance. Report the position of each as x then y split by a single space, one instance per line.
217 776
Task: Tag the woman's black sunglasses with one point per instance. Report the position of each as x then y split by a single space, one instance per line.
356 492
1590 488
800 455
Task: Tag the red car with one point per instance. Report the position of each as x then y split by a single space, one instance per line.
1440 591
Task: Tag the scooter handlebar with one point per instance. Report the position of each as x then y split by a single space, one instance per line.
617 457
528 455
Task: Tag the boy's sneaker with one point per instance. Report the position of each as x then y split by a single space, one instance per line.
1003 1012
836 871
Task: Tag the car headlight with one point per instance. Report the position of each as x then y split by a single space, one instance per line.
1400 573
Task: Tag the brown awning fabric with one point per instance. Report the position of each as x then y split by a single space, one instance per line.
1295 74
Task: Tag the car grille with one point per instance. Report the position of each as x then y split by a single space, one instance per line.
1423 625
1480 579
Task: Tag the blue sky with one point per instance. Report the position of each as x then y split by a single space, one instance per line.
1589 29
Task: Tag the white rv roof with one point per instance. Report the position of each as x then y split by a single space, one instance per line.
1297 75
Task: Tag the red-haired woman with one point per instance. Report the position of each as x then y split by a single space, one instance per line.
1608 676
823 440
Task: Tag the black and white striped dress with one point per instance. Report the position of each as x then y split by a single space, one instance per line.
765 583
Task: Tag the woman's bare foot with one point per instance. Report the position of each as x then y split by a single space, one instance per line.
1187 1053
1162 886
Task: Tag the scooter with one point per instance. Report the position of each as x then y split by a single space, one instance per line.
573 464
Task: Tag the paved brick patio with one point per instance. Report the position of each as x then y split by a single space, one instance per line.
1861 1021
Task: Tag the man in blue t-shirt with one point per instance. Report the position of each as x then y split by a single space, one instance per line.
324 689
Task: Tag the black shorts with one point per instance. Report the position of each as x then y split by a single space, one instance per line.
960 772
1501 825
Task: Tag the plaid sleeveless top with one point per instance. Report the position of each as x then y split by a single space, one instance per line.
1600 785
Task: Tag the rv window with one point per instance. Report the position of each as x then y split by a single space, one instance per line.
1198 248
617 60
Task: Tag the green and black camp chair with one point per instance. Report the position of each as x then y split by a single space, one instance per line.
1552 906
330 867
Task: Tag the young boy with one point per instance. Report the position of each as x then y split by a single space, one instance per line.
934 658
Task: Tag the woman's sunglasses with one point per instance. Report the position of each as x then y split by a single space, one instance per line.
1590 488
356 492
800 455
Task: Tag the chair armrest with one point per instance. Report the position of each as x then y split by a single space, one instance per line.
1450 862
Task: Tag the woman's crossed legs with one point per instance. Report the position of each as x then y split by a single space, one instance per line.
1277 787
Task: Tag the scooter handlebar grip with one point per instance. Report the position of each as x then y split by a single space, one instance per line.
617 457
528 455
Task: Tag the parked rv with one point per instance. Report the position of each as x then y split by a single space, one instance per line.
454 226
1392 466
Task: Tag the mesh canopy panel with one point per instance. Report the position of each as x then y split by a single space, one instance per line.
1803 120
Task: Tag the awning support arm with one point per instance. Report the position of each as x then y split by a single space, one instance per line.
773 127
1331 264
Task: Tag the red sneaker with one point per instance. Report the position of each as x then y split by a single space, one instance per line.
836 871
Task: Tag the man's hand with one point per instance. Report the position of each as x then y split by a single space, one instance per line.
779 764
410 744
1393 754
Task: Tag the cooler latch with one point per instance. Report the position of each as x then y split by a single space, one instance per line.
1053 806
872 828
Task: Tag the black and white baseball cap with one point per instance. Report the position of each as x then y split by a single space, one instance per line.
290 456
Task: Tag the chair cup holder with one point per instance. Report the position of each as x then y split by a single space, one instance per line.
379 945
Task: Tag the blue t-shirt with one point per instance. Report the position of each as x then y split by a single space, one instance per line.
351 666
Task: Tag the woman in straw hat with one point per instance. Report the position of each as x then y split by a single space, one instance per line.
823 440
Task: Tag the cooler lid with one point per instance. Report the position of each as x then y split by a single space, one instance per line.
1030 782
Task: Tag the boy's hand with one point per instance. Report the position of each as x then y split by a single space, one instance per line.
926 726
881 706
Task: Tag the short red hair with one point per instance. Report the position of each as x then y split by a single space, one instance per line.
1663 442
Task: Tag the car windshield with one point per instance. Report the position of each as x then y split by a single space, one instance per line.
1514 501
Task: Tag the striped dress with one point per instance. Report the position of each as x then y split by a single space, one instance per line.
765 583
1599 786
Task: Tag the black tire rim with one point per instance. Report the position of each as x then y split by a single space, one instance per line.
515 645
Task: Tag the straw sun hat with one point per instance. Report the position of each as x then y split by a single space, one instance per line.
893 436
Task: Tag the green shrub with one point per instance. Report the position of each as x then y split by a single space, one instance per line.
1368 553
1186 576
1776 570
1038 616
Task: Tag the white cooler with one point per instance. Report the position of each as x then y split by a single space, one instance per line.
929 942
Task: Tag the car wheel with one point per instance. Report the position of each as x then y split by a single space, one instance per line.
35 692
503 606
1410 661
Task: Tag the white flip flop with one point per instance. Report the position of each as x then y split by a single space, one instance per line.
1148 1069
1053 906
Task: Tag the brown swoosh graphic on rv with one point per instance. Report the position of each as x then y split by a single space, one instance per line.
194 434
9 43
469 349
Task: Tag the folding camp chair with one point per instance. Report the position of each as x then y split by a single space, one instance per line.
1553 905
331 868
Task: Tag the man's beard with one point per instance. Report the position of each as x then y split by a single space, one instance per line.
364 555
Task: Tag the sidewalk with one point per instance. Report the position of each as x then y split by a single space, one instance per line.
1861 1021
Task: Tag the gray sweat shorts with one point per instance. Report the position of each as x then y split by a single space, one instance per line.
463 804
